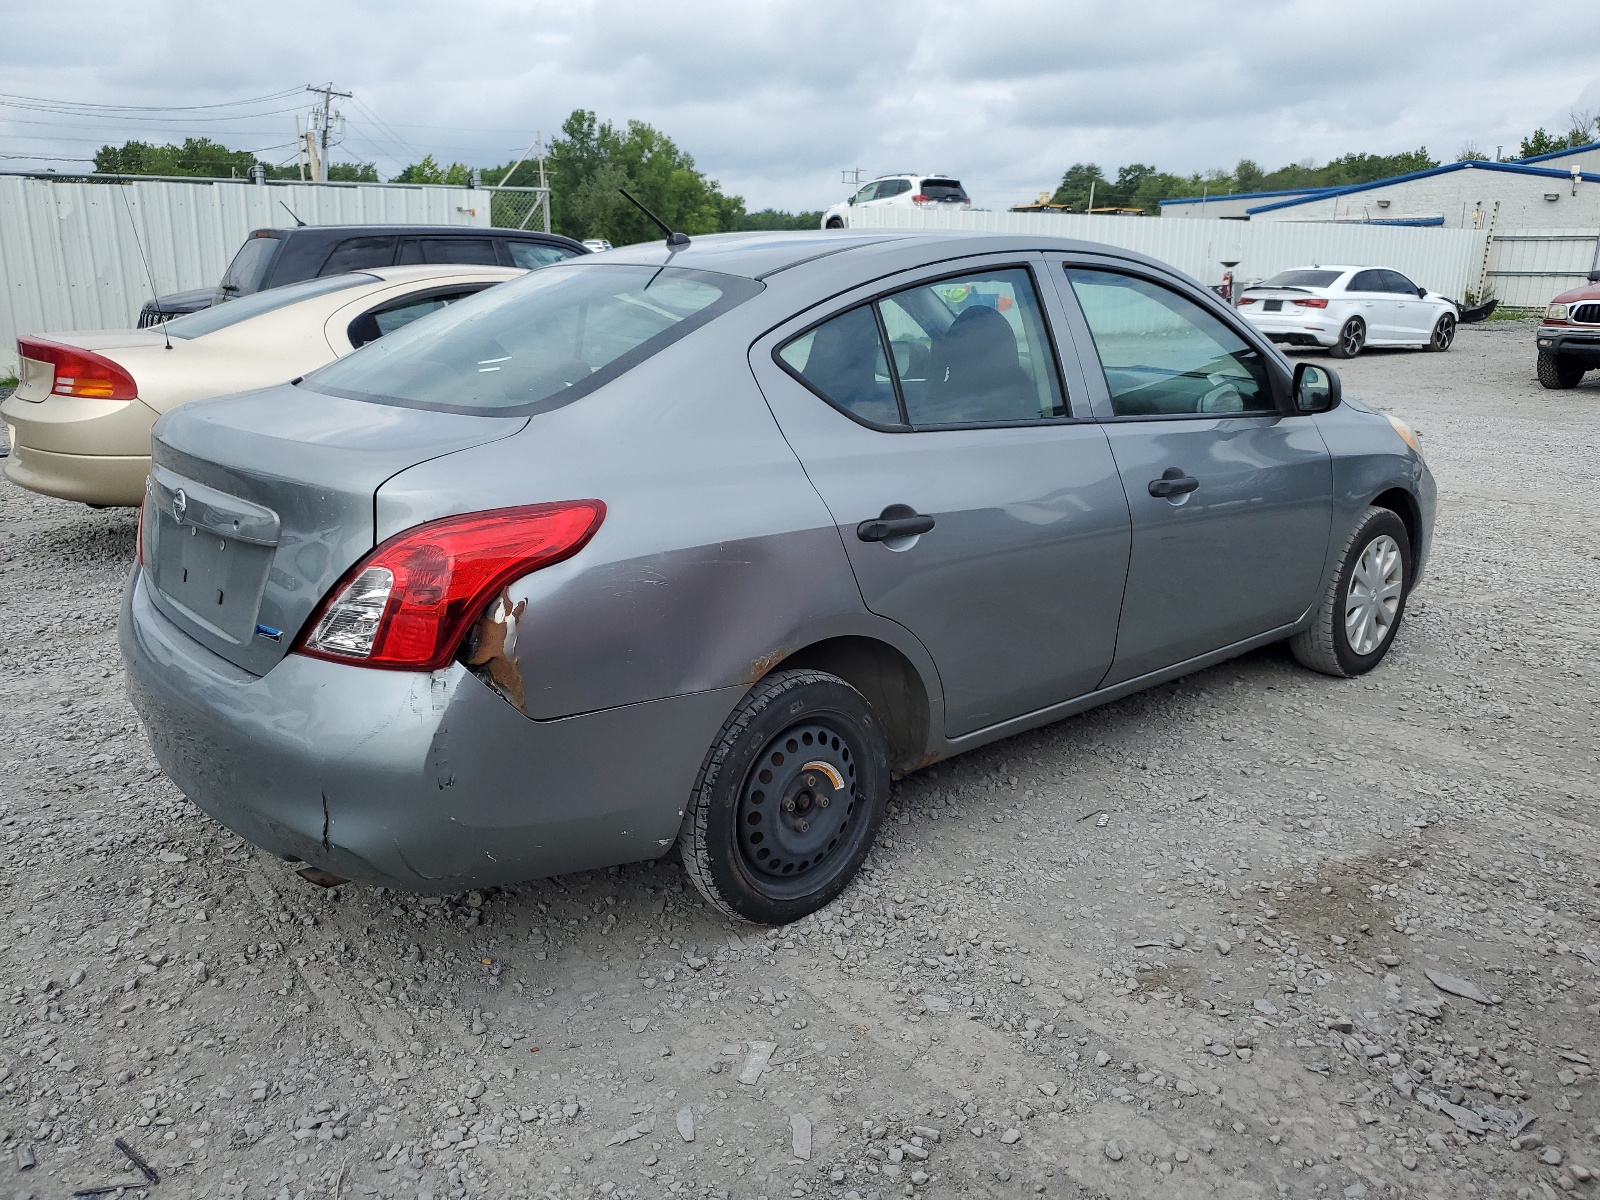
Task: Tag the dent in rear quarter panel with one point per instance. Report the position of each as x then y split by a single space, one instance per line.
716 556
1369 458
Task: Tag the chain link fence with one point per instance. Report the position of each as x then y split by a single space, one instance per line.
519 208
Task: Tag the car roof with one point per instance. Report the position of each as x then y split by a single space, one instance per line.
415 230
760 255
428 271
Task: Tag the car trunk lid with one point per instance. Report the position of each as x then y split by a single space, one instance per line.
258 503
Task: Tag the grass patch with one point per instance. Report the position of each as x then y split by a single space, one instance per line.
1515 314
9 381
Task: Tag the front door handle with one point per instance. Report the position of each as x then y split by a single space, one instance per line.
896 521
1173 482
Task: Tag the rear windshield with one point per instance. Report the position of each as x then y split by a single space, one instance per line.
537 342
248 270
1309 279
220 316
943 189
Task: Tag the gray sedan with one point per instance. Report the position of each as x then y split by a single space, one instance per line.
699 546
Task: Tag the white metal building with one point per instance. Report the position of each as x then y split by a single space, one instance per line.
1228 205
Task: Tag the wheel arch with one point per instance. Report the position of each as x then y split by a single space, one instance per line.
888 679
1404 505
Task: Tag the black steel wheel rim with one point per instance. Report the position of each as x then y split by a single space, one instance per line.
797 812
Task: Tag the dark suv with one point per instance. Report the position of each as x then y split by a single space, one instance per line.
271 258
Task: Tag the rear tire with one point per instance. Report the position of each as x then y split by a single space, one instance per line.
1444 334
1352 338
1558 372
1364 602
789 800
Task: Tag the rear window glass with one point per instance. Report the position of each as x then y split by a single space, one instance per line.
248 270
220 316
1309 279
943 189
536 342
536 254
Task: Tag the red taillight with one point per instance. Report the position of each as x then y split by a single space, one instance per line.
80 372
1312 302
919 198
407 605
1243 300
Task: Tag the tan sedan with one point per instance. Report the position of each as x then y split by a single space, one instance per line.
79 421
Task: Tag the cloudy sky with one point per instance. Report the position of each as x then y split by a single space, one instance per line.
775 99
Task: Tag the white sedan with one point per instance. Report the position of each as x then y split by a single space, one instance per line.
1345 309
81 415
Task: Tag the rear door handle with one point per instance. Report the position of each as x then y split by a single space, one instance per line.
896 521
1173 482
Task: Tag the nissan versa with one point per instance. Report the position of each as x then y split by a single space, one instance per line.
699 544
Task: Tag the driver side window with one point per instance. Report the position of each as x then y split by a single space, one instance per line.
1163 355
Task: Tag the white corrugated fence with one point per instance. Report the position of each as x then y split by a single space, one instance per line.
69 258
1444 260
1527 267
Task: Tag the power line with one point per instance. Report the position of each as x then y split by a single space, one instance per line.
86 104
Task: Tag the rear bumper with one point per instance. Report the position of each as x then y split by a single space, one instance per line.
1580 345
424 782
112 480
1294 333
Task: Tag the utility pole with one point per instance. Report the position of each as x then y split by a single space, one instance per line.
319 165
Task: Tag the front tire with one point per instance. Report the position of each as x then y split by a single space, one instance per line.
789 800
1558 372
1444 334
1352 338
835 223
1364 602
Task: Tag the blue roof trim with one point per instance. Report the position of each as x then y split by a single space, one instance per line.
1468 165
1402 221
1559 153
1243 195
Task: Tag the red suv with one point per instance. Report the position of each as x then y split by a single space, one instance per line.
1569 335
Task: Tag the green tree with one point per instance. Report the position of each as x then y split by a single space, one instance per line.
772 218
592 160
1079 180
196 157
429 171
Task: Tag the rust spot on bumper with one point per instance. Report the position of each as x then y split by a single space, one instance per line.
493 647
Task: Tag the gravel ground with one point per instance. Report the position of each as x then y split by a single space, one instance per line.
1258 932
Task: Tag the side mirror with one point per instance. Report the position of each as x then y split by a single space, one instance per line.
851 201
1422 293
1594 276
1316 389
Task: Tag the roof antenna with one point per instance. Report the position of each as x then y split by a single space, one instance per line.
290 211
148 274
674 240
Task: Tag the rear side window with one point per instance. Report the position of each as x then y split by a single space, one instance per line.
248 268
535 254
1163 355
843 360
220 316
448 250
972 350
1366 281
358 254
382 321
536 342
943 189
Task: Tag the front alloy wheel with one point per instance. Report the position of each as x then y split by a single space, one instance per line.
1363 603
1444 333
